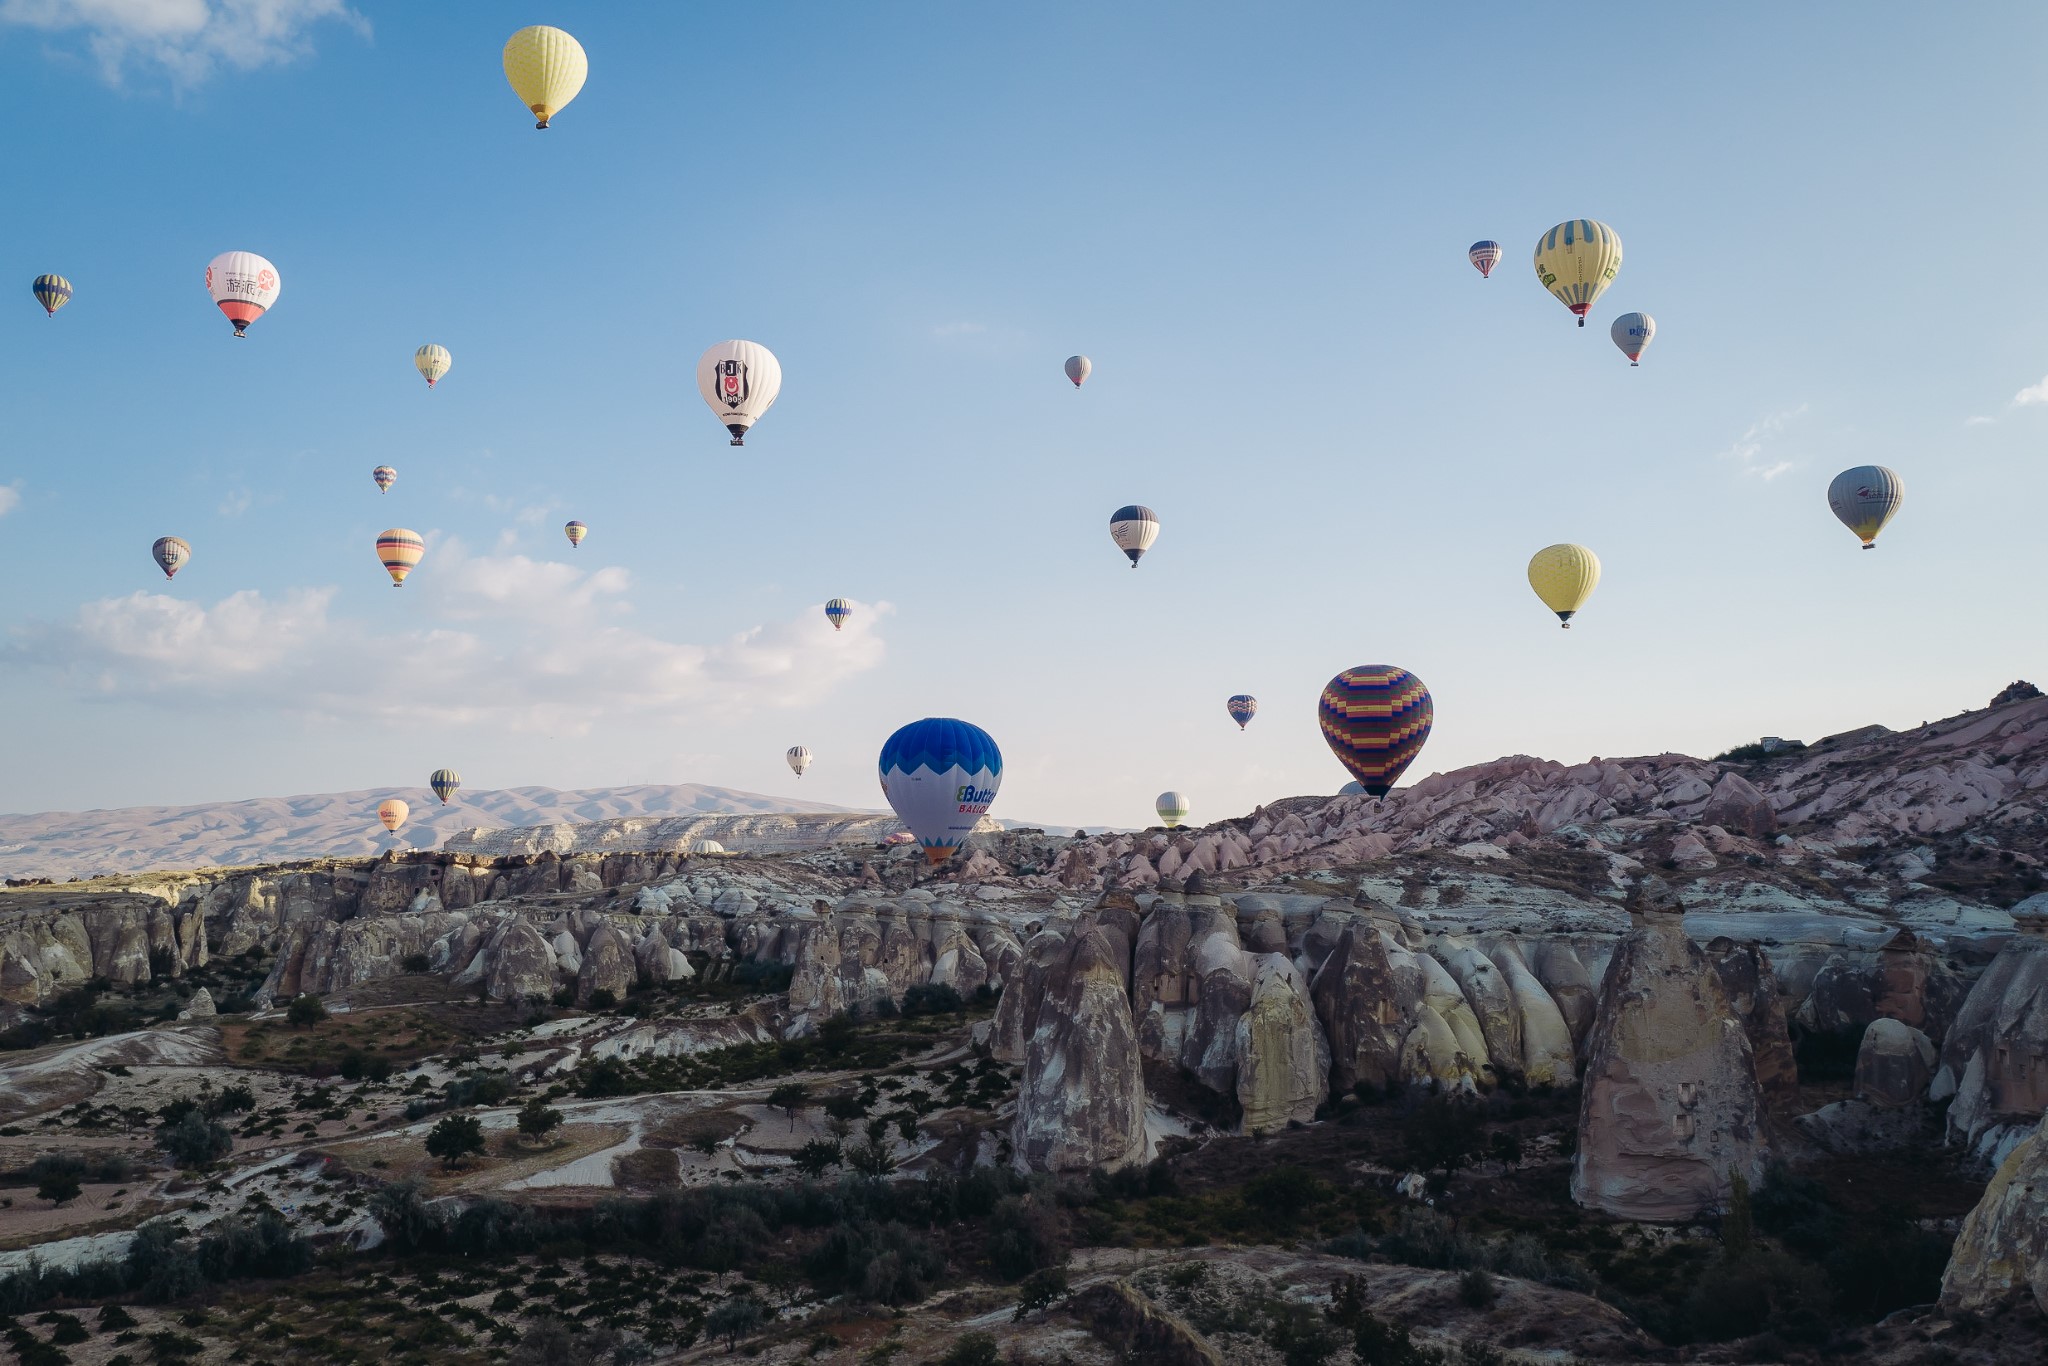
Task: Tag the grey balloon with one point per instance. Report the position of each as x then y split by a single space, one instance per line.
1078 368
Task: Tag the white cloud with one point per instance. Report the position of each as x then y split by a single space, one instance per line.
2031 395
237 502
189 40
10 498
1752 452
1983 421
514 643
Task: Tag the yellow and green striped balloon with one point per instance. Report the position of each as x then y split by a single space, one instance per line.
1576 261
52 292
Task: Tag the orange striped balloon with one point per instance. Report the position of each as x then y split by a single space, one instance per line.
400 550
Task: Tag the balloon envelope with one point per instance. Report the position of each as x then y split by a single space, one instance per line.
444 781
739 381
1078 369
575 531
1375 718
1134 528
941 776
432 362
1633 332
400 551
52 292
244 285
546 68
707 847
1564 576
1576 261
1485 256
170 555
385 477
1242 708
392 812
1172 808
837 611
799 759
1865 498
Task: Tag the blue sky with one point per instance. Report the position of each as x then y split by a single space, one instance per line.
1253 221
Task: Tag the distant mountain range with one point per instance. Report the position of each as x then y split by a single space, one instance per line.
62 844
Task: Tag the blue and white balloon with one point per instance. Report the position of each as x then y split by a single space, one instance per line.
941 776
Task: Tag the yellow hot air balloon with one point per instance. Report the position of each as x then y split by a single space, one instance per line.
1576 261
546 67
393 811
1564 576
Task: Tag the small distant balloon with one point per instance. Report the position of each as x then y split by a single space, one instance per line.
385 477
575 531
444 781
837 611
1172 808
244 285
707 847
1078 369
1564 576
740 381
393 812
1354 788
400 551
798 759
1485 256
1375 718
1633 332
941 776
1576 261
546 68
170 555
1134 529
52 292
432 362
1242 708
1866 498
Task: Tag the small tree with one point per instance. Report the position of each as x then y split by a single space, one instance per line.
454 1138
789 1098
59 1184
305 1010
816 1156
1041 1290
194 1140
537 1118
1443 1133
971 1349
734 1319
871 1159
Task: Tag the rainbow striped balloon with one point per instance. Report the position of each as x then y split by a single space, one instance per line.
575 531
400 550
1376 718
1242 708
385 477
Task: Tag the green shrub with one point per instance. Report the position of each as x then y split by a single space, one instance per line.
454 1138
1476 1289
970 1349
305 1010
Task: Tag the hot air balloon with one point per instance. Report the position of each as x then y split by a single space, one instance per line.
941 776
740 380
444 781
1375 718
1576 261
170 555
244 285
385 477
432 362
392 812
1133 528
1485 256
546 68
400 550
1633 333
1354 788
1242 708
1865 498
707 847
837 611
52 292
798 759
575 531
1564 576
1078 369
901 837
1172 808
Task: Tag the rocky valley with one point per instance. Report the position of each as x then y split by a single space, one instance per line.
1660 1058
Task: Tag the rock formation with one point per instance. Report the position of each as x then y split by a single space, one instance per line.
2001 1254
1894 1063
1994 1060
1283 1061
1081 1103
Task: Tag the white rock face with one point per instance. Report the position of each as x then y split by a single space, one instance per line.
1283 1061
1894 1063
1081 1103
2001 1254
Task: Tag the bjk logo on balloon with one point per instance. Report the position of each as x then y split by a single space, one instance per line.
732 382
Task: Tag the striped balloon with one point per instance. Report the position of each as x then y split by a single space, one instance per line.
1866 498
1484 255
1172 808
1375 718
798 759
400 550
52 292
1242 709
432 362
170 555
444 781
1576 261
1134 528
837 611
575 531
385 477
